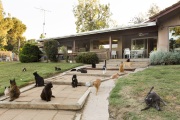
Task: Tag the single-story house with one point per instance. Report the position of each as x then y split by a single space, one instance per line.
131 41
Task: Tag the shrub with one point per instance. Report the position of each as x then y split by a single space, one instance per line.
51 49
30 53
87 58
164 58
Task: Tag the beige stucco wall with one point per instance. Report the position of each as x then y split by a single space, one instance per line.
163 32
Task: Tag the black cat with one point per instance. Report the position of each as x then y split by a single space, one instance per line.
82 70
24 69
128 60
57 69
93 65
47 92
39 79
74 81
153 100
73 69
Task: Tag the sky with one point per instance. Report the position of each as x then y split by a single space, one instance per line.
59 18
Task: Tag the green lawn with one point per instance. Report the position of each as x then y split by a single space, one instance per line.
126 99
11 70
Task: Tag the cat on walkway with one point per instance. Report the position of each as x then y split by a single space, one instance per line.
97 84
47 92
14 90
39 80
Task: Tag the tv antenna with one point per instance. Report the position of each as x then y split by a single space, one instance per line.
44 11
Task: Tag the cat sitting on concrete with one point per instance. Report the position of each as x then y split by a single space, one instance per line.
93 65
14 90
6 91
121 68
128 60
24 69
39 80
57 69
153 100
47 92
74 81
127 63
82 70
73 69
115 76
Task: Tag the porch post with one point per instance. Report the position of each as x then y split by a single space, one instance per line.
74 46
110 46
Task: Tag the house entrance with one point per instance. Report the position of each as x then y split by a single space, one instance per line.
141 47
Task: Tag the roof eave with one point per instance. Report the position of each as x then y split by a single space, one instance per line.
103 31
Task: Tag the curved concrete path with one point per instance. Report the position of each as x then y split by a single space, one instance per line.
96 107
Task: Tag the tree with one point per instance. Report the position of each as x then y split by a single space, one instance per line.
11 31
91 15
30 53
154 9
51 49
42 36
138 19
5 25
15 34
1 11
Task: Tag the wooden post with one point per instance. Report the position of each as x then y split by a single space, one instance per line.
110 46
74 46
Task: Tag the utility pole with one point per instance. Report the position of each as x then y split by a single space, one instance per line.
44 11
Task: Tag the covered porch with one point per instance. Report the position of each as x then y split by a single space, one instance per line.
113 45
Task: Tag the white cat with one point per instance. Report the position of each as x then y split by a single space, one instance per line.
6 91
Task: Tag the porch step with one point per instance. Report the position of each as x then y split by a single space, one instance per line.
136 63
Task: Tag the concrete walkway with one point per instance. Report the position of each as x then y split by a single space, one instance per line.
96 107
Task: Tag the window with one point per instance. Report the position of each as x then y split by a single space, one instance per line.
138 44
104 44
174 38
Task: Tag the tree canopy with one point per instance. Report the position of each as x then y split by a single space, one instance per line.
141 17
91 15
11 31
154 9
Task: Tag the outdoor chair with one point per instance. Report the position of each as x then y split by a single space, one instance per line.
113 54
127 52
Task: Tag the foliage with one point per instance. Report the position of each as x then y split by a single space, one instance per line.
13 70
138 18
30 53
91 15
1 11
164 58
5 25
42 36
129 92
51 49
154 9
11 32
87 58
15 34
63 49
141 17
176 31
31 41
